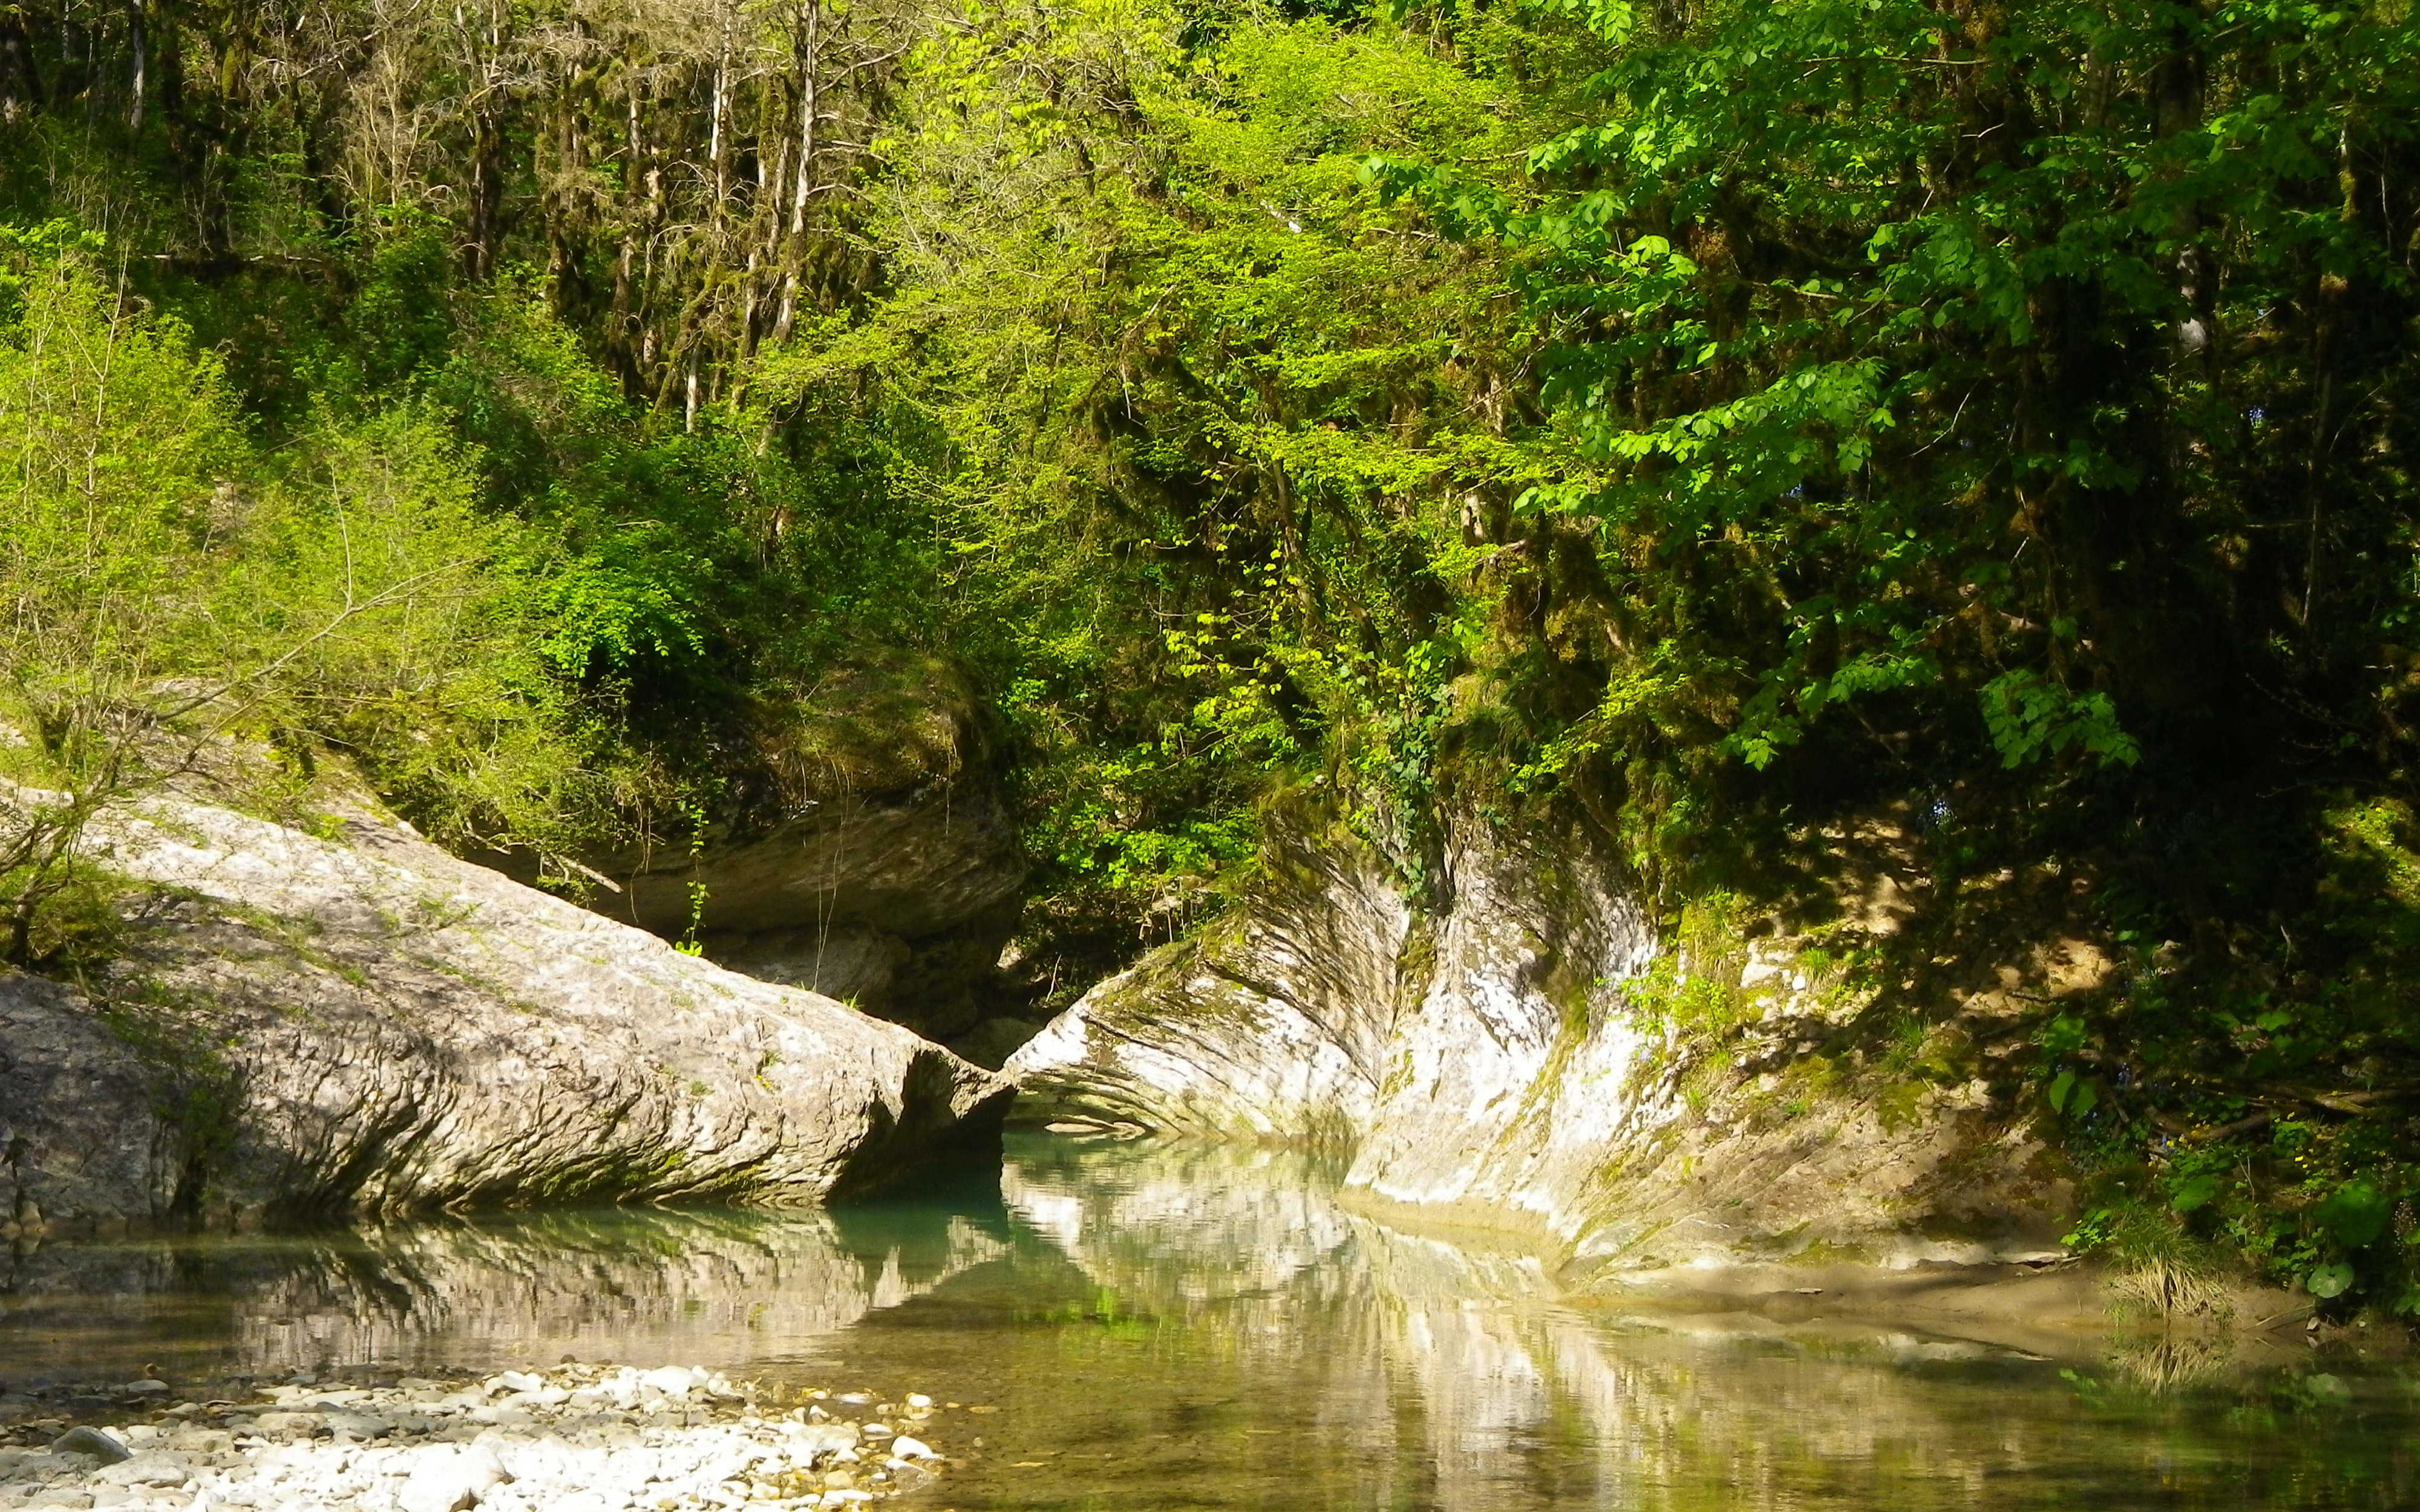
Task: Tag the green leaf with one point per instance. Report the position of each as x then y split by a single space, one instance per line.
2059 1088
2194 1192
2328 1281
2062 1036
2355 1215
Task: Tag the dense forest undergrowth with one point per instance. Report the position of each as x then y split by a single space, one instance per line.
1713 418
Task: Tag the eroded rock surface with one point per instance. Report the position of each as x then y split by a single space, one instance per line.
899 902
365 1024
863 851
1485 1061
1276 1025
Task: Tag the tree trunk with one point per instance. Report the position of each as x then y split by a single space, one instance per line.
20 85
138 84
810 46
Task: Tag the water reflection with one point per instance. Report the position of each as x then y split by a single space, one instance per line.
1394 1369
720 1289
1173 1328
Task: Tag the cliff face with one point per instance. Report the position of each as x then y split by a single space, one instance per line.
361 1022
898 900
1502 1061
861 850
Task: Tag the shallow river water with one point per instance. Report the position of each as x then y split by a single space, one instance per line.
1167 1329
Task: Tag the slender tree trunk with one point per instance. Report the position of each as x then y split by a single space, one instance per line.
20 85
794 246
2177 91
138 84
718 134
487 190
563 271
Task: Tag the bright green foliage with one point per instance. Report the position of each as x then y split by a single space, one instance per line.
437 680
1911 351
113 434
2029 716
2006 409
170 586
1192 408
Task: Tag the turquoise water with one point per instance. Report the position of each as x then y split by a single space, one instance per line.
1165 1329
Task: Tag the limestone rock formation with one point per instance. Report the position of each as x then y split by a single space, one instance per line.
1483 1061
863 851
898 900
361 1022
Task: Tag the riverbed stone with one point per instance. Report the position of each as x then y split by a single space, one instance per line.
447 1478
152 1468
727 1448
820 1440
94 1443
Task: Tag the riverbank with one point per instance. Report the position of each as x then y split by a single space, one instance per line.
580 1438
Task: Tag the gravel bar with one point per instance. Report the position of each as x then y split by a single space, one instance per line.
576 1438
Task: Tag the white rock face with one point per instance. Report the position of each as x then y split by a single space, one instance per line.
1276 1027
1512 1077
1484 1060
366 1024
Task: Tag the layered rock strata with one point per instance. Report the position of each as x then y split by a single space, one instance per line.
361 1022
897 901
861 848
1490 1061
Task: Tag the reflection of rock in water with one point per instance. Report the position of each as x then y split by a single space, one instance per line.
714 1288
1453 1372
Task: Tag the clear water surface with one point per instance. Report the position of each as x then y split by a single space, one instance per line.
1160 1328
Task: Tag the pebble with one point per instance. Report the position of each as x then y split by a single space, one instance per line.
578 1439
820 1439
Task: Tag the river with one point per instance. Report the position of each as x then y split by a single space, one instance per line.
1163 1328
